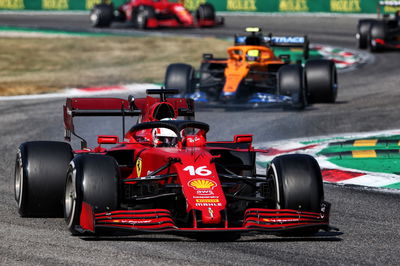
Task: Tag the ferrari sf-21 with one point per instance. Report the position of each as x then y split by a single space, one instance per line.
165 177
150 14
253 75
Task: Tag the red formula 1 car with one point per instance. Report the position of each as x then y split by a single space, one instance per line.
166 177
147 14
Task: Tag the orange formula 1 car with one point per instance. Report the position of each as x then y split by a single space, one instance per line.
253 75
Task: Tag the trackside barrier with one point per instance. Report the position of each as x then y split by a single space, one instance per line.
325 6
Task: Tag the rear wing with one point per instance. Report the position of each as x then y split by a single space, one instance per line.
301 42
283 41
121 107
95 107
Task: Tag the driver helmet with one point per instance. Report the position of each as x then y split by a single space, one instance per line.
164 137
253 55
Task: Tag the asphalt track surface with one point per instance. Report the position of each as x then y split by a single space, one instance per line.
369 220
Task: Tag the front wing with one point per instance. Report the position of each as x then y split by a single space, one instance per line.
161 221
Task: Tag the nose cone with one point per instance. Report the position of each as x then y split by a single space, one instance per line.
211 216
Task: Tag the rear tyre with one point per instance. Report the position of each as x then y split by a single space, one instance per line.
298 184
209 82
180 77
92 179
290 83
376 31
321 81
205 11
363 32
141 15
39 178
101 15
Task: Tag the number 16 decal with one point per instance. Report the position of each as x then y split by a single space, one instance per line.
201 170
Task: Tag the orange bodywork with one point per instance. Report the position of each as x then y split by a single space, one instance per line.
246 58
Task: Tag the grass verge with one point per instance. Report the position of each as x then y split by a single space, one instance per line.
39 65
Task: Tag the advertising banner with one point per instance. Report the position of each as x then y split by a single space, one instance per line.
324 6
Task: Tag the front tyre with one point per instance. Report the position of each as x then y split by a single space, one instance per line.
39 178
298 186
92 179
141 15
290 83
298 182
101 16
205 12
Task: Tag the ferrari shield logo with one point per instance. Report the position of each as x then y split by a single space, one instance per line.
139 166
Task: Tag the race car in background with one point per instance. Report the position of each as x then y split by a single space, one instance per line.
253 75
153 182
148 14
383 32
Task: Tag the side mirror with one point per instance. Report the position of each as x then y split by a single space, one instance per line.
243 138
104 139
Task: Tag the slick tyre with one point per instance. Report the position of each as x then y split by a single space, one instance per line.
321 81
141 15
101 15
180 77
92 179
377 30
211 79
363 32
290 83
298 185
298 182
205 11
40 171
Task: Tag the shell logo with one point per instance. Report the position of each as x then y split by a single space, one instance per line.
202 184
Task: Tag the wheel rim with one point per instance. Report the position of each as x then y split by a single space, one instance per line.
69 200
18 183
